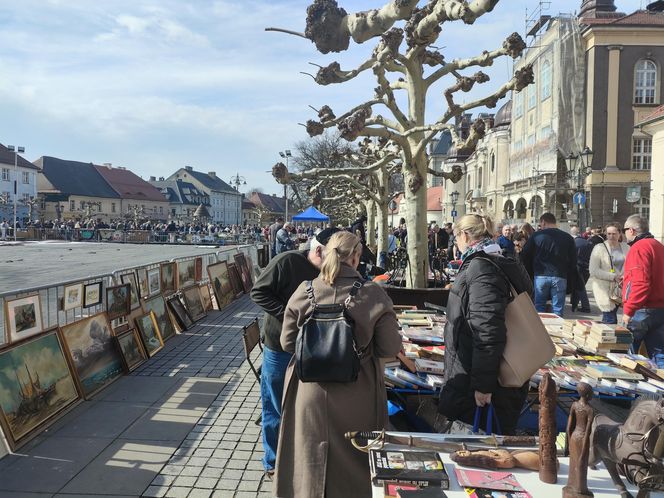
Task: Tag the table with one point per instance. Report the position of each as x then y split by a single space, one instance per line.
599 481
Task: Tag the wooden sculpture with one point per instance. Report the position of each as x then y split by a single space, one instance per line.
548 469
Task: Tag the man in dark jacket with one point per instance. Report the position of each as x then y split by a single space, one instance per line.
272 290
550 255
274 228
583 250
475 337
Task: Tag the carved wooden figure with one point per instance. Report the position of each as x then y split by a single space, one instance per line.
579 426
548 468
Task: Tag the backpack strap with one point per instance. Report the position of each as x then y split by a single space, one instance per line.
357 285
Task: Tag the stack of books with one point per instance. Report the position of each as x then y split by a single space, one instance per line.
604 338
568 329
603 371
407 468
552 323
581 331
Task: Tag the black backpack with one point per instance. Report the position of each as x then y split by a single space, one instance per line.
325 348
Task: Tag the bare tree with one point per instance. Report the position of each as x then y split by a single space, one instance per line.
405 60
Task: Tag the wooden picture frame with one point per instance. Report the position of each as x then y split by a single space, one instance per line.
168 277
118 301
193 302
206 297
92 294
92 352
149 333
131 349
243 271
236 282
36 386
221 283
157 305
130 278
198 269
143 287
154 281
186 273
23 318
179 312
72 296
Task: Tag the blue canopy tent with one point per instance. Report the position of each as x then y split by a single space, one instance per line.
311 214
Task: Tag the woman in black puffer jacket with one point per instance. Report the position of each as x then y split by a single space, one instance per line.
475 333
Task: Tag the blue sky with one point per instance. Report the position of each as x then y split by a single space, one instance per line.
154 85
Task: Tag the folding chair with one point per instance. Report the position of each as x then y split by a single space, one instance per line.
251 337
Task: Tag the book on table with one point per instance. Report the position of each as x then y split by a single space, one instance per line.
598 371
487 479
420 468
492 493
428 492
429 366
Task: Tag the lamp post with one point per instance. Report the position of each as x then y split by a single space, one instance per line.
16 150
454 196
286 154
579 167
238 180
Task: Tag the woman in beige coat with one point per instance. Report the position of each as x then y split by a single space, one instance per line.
313 458
606 271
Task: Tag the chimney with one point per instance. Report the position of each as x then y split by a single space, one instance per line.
153 178
108 165
189 168
161 178
212 174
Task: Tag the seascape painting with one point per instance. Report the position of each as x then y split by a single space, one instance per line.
158 306
95 357
35 384
186 273
221 284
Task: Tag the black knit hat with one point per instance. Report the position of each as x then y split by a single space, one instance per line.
323 236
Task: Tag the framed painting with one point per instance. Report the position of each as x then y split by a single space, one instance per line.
236 282
89 345
135 298
36 384
149 332
131 349
243 270
118 301
198 269
168 277
73 297
92 294
186 273
143 287
254 270
23 317
154 281
193 302
221 283
158 306
205 296
179 312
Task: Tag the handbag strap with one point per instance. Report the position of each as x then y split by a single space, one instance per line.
491 418
502 273
610 257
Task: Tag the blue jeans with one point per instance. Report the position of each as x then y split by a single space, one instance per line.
550 288
610 317
647 325
273 371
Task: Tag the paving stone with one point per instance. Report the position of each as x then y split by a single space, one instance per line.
227 484
173 470
178 492
185 481
232 474
200 493
206 482
242 455
163 480
253 475
217 462
155 491
249 486
214 472
220 493
192 471
236 464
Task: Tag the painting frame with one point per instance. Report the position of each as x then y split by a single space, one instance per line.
243 271
236 281
221 284
134 295
194 302
168 277
179 312
206 297
75 337
150 325
126 339
186 273
143 286
29 308
154 281
198 269
164 319
55 366
89 294
118 301
72 296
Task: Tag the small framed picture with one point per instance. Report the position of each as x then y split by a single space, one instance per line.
118 301
92 295
73 297
143 288
131 348
206 297
179 312
130 278
168 277
23 317
186 273
154 281
198 263
149 331
193 302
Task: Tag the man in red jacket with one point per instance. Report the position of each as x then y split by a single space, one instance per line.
643 286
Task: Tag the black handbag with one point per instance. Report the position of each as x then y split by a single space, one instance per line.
325 348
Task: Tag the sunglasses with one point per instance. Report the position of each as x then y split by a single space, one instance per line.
624 230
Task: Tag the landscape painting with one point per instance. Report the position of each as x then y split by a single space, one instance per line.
132 350
205 296
168 275
149 330
194 303
179 312
130 278
244 271
23 317
73 296
236 281
221 284
90 346
92 295
158 306
118 301
143 287
35 385
154 281
186 273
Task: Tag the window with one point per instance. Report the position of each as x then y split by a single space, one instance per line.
72 205
545 132
81 205
518 105
26 177
518 145
641 153
531 140
532 95
5 174
493 163
643 207
161 209
479 178
112 207
26 198
545 79
645 82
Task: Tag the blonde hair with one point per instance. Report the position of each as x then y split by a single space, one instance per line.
476 226
340 247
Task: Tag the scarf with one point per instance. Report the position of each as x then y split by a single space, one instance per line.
646 235
485 245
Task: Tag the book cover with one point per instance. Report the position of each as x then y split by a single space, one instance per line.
488 479
428 492
392 378
423 468
492 493
429 366
411 378
598 371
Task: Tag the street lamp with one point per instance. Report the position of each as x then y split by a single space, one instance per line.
579 167
286 154
16 150
454 196
238 180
